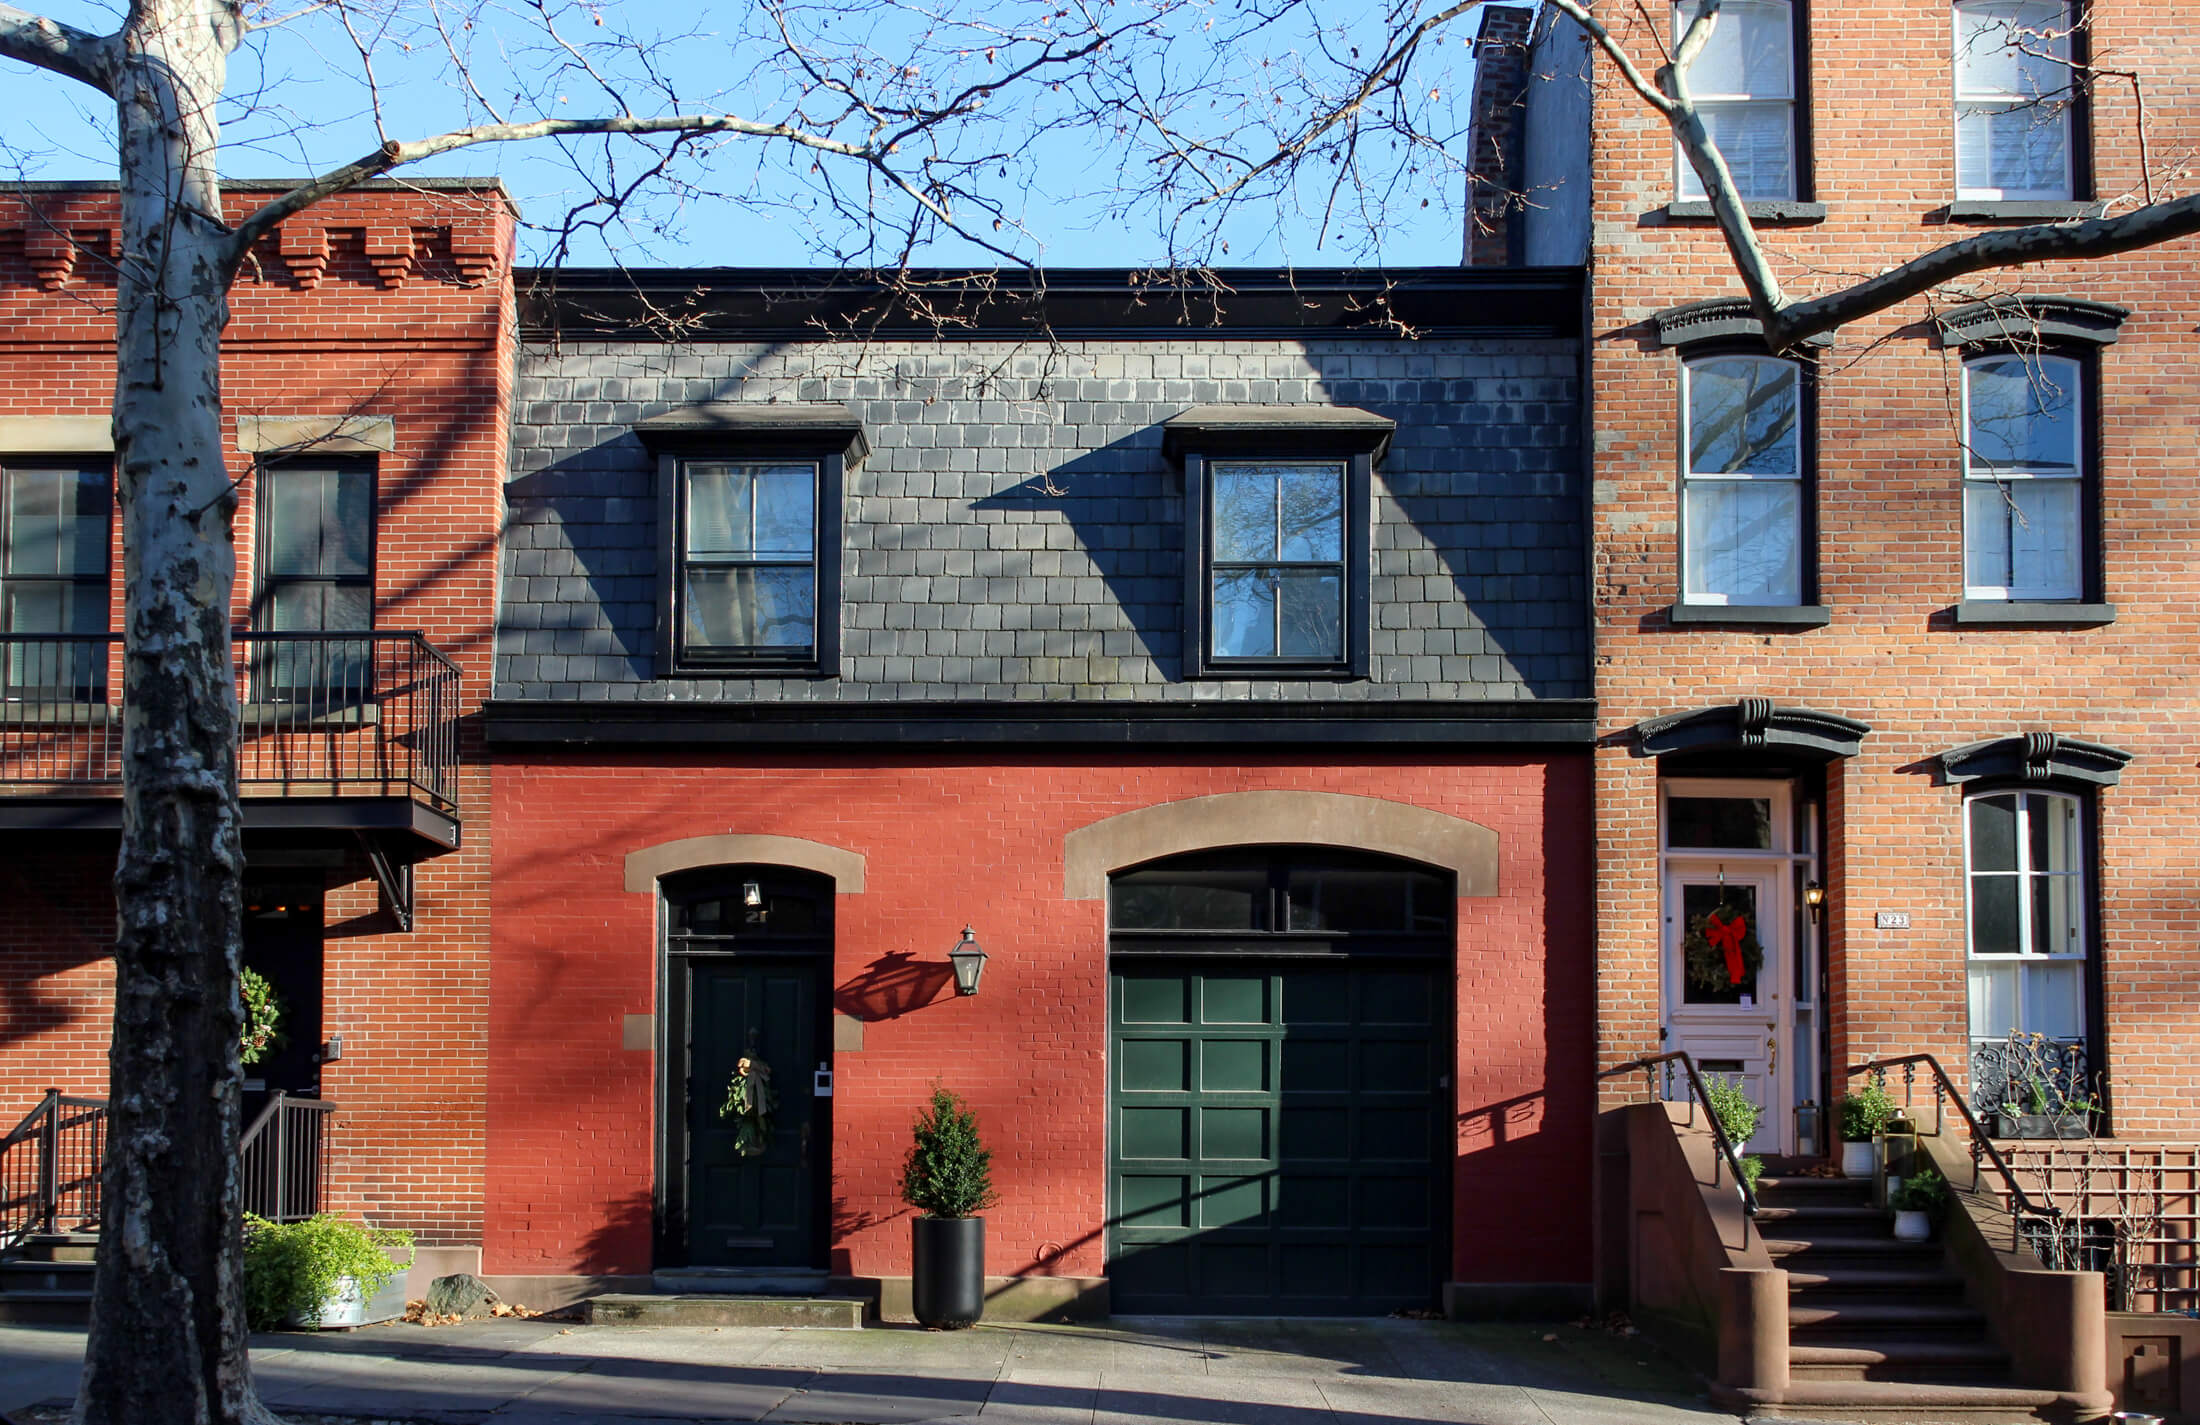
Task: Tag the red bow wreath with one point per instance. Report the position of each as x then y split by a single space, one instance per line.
1726 936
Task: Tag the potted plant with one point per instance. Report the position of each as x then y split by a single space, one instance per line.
2048 1113
948 1178
323 1271
1737 1113
1921 1198
1864 1115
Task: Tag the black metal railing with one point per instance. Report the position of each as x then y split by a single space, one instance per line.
319 714
1728 1154
50 1163
285 1158
2021 1204
49 1168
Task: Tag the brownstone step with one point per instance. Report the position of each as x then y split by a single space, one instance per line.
1911 1403
1900 1359
1899 1317
1921 1280
1844 1214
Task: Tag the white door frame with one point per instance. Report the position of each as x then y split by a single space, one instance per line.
1760 1036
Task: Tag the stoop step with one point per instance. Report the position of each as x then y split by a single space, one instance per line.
725 1308
740 1281
1900 1403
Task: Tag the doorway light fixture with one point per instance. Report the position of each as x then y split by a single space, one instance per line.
752 894
1814 896
968 958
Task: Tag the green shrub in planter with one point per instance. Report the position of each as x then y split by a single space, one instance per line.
948 1172
1924 1191
1738 1114
1866 1113
296 1269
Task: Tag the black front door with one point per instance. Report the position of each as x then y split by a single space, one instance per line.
748 956
283 936
756 1210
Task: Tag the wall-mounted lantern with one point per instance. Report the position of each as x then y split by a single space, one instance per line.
968 958
1814 896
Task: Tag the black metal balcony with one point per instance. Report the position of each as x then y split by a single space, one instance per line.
325 720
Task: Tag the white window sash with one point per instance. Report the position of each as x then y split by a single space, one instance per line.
2051 108
2019 966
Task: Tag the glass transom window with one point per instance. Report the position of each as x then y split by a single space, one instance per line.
1744 87
748 560
2014 100
1277 561
1742 481
2025 854
2023 478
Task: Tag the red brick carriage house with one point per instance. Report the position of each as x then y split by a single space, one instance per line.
1221 664
1890 639
367 365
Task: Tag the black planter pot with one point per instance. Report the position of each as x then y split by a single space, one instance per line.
948 1280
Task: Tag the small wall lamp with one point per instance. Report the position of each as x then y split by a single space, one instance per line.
968 958
1814 896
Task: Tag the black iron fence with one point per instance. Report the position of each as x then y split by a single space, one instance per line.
285 1158
49 1164
49 1168
319 714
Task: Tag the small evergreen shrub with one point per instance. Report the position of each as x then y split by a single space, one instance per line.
948 1172
292 1268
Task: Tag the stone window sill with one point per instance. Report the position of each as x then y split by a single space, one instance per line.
1989 612
1752 615
1775 212
1979 210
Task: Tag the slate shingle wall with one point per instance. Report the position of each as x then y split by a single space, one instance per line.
1017 534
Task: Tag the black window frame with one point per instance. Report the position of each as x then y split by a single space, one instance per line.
1272 933
271 664
1201 439
1802 204
2092 560
1807 611
2081 133
92 685
753 433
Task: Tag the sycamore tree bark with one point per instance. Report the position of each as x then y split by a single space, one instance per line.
167 1341
167 1337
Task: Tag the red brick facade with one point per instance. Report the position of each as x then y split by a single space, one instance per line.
980 838
1889 558
388 304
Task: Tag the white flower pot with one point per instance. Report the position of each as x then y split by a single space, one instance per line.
1858 1160
1912 1227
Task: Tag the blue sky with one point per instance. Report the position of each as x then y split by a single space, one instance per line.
1066 186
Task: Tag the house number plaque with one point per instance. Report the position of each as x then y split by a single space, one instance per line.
1893 920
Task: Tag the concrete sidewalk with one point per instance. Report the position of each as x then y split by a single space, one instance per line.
1129 1371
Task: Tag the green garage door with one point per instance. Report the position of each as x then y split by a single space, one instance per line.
1277 1140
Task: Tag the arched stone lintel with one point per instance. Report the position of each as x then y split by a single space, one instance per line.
1091 853
644 867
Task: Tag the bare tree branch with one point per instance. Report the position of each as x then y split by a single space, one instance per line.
2011 247
62 49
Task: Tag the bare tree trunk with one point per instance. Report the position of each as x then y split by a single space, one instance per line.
168 1333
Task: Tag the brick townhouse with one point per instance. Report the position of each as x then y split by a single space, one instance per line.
367 375
1218 657
1899 622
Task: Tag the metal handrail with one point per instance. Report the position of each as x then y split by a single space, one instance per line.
1944 1088
38 1206
283 1158
1718 1130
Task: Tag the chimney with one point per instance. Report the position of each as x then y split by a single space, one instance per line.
1498 113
